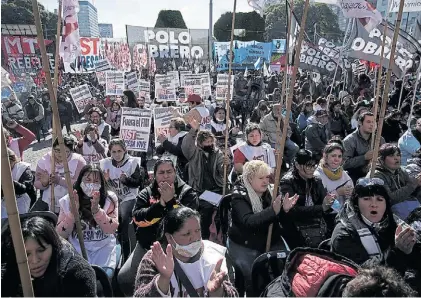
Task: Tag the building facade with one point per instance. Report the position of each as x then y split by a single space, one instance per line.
88 19
106 30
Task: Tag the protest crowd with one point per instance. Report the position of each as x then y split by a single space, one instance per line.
174 188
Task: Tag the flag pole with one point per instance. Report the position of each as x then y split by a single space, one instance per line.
227 116
14 221
403 83
53 133
288 103
284 82
386 89
414 96
53 99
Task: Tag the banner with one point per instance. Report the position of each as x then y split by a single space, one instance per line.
183 73
81 97
409 5
311 58
70 43
162 119
222 87
135 128
199 82
102 65
22 55
85 62
367 46
114 83
245 54
171 48
131 81
145 89
174 73
165 88
278 46
117 52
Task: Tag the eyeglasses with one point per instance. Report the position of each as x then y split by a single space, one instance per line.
370 181
310 166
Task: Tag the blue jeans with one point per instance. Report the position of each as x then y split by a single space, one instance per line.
289 151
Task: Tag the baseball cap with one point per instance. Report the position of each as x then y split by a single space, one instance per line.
320 113
194 98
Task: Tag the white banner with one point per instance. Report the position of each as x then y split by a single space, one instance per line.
131 81
165 88
70 45
409 5
114 83
145 89
200 79
222 87
183 73
162 120
102 65
81 97
176 78
135 128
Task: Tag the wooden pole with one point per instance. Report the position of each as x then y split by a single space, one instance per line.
386 90
53 133
401 93
227 106
53 99
288 113
14 221
414 96
284 83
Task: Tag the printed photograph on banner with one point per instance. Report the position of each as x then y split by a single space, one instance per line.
165 88
162 120
221 91
114 83
176 77
131 81
183 74
145 89
135 128
81 97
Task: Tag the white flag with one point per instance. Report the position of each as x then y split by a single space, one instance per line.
258 5
70 41
409 5
246 73
265 70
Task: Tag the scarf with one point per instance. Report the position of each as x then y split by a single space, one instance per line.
174 140
256 201
333 175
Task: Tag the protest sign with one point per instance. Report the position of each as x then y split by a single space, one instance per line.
409 6
193 86
176 78
183 73
165 88
222 87
162 121
131 81
135 128
101 77
311 58
199 82
145 89
114 84
278 46
81 97
102 65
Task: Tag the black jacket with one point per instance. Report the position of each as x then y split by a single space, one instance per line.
392 130
148 212
250 229
67 275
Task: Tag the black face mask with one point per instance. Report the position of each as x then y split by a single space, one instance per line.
208 149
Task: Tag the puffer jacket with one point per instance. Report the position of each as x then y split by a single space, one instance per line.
13 111
401 189
316 137
408 144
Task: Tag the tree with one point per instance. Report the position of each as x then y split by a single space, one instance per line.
252 22
170 19
320 14
20 12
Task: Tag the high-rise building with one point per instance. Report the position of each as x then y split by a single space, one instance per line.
88 19
106 30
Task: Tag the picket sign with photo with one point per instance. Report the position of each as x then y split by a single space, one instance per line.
165 88
222 87
162 121
183 74
101 77
145 89
132 82
102 65
176 78
114 83
81 97
200 81
135 128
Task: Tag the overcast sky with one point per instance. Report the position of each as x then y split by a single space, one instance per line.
144 12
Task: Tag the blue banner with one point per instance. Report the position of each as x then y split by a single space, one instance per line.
278 46
245 54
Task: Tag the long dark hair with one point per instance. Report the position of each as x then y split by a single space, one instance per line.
131 99
154 186
174 221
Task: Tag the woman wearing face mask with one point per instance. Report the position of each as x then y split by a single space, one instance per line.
123 175
331 172
44 179
98 211
219 126
152 205
23 185
55 269
368 234
90 145
182 249
253 211
310 221
114 118
253 149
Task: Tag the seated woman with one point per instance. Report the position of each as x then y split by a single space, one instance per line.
166 192
253 149
368 234
23 185
252 213
171 145
98 209
90 145
202 261
219 126
55 269
310 221
334 178
44 178
123 176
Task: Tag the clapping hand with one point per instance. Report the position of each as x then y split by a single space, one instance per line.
95 202
215 281
405 239
167 192
289 202
164 262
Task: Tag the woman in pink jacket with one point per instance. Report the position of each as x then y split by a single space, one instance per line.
98 211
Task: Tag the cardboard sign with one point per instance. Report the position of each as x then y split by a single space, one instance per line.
201 80
114 84
135 128
222 87
102 65
162 121
81 97
101 77
176 78
165 88
145 89
183 74
131 81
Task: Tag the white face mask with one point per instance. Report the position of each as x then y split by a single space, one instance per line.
188 251
89 188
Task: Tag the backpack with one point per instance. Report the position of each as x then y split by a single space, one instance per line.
312 272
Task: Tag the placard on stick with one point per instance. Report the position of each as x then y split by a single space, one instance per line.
114 83
132 82
145 89
135 128
165 88
81 97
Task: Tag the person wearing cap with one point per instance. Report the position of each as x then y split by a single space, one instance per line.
317 134
402 189
195 103
310 221
358 153
34 114
369 234
104 129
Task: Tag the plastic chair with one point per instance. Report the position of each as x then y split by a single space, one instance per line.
103 282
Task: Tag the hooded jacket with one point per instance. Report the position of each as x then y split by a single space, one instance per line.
148 211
